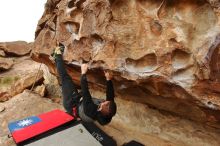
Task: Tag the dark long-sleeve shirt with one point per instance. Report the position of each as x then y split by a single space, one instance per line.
90 108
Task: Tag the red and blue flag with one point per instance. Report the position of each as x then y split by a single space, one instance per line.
27 128
18 125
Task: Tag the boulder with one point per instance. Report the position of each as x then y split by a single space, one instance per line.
5 63
21 66
164 54
26 82
17 48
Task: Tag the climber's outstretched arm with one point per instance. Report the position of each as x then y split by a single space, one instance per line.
110 94
91 108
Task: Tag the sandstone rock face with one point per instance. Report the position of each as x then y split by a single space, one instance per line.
5 63
52 85
152 128
36 77
21 66
164 54
18 48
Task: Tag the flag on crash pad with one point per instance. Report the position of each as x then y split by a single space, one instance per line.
27 128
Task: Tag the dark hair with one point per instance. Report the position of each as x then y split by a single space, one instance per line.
112 108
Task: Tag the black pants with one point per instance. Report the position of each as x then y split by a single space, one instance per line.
69 91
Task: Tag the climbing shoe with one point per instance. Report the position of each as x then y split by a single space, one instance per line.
62 47
58 50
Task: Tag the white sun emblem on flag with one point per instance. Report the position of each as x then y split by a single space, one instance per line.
25 122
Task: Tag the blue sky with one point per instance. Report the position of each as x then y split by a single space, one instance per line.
19 18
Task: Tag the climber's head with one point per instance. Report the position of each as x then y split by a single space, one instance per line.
108 108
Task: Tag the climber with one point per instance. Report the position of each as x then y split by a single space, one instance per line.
83 106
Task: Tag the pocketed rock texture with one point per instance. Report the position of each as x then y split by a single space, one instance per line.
164 54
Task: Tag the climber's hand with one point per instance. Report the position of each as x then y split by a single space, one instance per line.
108 75
84 68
